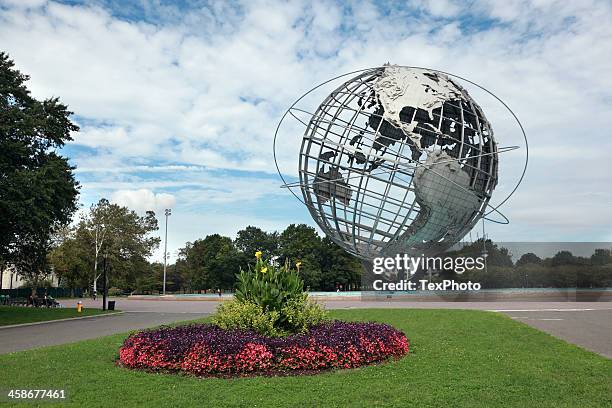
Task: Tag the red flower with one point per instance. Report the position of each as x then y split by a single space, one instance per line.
209 350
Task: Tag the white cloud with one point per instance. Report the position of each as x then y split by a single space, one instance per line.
143 200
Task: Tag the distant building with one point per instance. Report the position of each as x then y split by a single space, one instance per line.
12 280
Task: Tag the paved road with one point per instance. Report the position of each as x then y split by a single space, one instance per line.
591 329
51 333
209 306
588 324
182 306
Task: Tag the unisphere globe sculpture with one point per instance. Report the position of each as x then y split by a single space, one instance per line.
398 160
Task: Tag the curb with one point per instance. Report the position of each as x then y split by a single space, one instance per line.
59 320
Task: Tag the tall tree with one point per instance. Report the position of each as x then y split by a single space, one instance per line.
496 256
120 234
338 267
252 239
601 256
300 242
38 191
529 258
96 224
563 258
31 260
210 263
71 260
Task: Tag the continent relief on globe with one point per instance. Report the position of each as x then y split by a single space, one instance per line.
433 117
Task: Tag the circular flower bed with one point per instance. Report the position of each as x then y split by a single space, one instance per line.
207 350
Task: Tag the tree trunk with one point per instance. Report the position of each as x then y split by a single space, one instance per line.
96 276
2 274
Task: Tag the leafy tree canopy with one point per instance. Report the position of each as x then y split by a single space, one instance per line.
210 263
38 191
252 239
112 231
601 257
529 258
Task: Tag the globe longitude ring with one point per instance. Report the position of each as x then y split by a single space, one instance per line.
398 160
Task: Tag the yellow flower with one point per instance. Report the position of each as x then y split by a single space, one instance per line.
258 254
298 264
264 270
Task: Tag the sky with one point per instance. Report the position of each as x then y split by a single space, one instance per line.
178 102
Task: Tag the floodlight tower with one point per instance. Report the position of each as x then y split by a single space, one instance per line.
168 212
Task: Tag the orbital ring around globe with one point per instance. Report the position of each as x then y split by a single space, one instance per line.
433 144
292 107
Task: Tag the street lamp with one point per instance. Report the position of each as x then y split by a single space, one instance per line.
105 280
168 212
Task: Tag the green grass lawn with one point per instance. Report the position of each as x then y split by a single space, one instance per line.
19 314
457 359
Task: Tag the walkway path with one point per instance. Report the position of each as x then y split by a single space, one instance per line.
60 332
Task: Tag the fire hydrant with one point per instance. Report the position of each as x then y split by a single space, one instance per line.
79 306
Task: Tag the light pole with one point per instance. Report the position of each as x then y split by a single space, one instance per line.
104 278
168 212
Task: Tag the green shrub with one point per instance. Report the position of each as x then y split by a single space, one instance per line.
238 314
301 315
270 287
270 300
